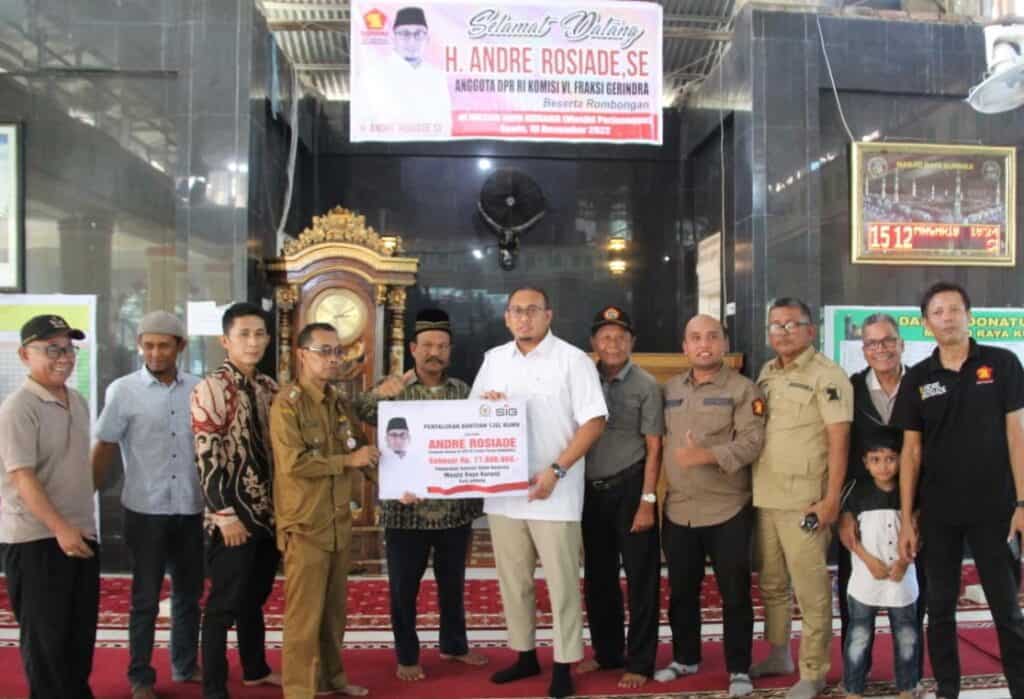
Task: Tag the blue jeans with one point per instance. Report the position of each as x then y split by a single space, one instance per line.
860 638
162 544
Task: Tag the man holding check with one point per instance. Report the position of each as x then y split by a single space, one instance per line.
413 527
566 414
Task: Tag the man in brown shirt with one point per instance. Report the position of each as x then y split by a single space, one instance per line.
317 440
714 419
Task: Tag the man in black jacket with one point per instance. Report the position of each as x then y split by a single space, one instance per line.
874 395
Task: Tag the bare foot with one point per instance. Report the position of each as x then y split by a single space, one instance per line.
631 680
469 658
273 679
353 690
586 666
408 673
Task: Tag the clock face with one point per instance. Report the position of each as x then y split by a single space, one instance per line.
344 309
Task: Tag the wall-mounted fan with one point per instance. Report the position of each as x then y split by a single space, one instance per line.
511 203
1003 87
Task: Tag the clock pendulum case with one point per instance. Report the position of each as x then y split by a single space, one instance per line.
342 272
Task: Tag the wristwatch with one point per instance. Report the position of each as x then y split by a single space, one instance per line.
651 498
1020 503
559 471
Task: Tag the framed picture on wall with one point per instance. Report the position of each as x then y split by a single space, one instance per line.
12 221
931 204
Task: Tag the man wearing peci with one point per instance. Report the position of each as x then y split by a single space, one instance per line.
404 91
415 529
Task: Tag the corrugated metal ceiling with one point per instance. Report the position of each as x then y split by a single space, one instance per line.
314 36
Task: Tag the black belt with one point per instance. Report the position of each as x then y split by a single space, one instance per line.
618 479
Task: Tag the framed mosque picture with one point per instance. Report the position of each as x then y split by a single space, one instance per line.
12 238
929 204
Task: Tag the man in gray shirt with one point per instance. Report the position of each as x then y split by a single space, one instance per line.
619 507
47 516
147 415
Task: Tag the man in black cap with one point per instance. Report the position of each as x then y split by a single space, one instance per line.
397 435
46 514
414 528
619 508
405 94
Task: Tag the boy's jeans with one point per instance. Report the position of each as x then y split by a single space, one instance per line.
860 638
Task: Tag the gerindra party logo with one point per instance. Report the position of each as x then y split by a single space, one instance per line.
375 20
375 28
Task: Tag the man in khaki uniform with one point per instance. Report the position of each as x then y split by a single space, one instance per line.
715 429
316 440
797 483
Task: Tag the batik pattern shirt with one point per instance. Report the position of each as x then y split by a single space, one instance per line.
230 424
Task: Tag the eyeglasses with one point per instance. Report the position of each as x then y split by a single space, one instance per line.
529 311
886 342
327 351
787 327
412 35
55 352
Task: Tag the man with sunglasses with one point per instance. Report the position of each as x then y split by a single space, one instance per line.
415 529
797 481
317 442
46 514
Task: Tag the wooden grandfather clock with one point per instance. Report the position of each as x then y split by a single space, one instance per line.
340 271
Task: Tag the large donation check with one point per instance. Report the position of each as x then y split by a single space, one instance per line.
452 448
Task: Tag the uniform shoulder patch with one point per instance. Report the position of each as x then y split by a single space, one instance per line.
757 406
832 392
291 393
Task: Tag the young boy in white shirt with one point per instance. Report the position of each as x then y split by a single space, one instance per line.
880 578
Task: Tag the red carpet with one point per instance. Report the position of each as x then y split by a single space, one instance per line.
368 603
374 669
371 663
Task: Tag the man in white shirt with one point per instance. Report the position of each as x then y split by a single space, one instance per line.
404 94
566 414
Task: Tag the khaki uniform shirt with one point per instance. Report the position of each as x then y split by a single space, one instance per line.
726 416
39 432
312 431
804 397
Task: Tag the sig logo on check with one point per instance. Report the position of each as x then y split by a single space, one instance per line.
506 412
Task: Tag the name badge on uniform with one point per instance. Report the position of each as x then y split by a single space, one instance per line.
674 403
718 401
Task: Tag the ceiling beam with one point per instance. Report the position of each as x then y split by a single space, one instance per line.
311 25
321 67
695 33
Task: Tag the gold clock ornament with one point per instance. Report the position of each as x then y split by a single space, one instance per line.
342 308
